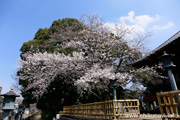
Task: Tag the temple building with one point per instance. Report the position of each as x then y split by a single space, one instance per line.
171 46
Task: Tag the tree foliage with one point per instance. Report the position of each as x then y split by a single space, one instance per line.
77 59
59 93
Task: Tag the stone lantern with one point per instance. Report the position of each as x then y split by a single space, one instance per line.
168 65
114 85
8 103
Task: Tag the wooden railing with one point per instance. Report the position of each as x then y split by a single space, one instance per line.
167 103
112 109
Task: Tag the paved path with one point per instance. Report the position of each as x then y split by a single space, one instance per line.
69 118
37 117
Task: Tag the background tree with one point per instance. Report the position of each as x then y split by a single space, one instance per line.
59 93
77 59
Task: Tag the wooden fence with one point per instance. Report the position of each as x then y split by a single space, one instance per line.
168 105
112 109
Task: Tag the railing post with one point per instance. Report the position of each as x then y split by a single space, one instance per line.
138 107
114 109
159 102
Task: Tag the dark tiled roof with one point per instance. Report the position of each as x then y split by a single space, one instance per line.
10 93
159 48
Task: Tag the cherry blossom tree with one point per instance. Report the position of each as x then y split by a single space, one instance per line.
98 54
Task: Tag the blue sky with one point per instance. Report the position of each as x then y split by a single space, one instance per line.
20 20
